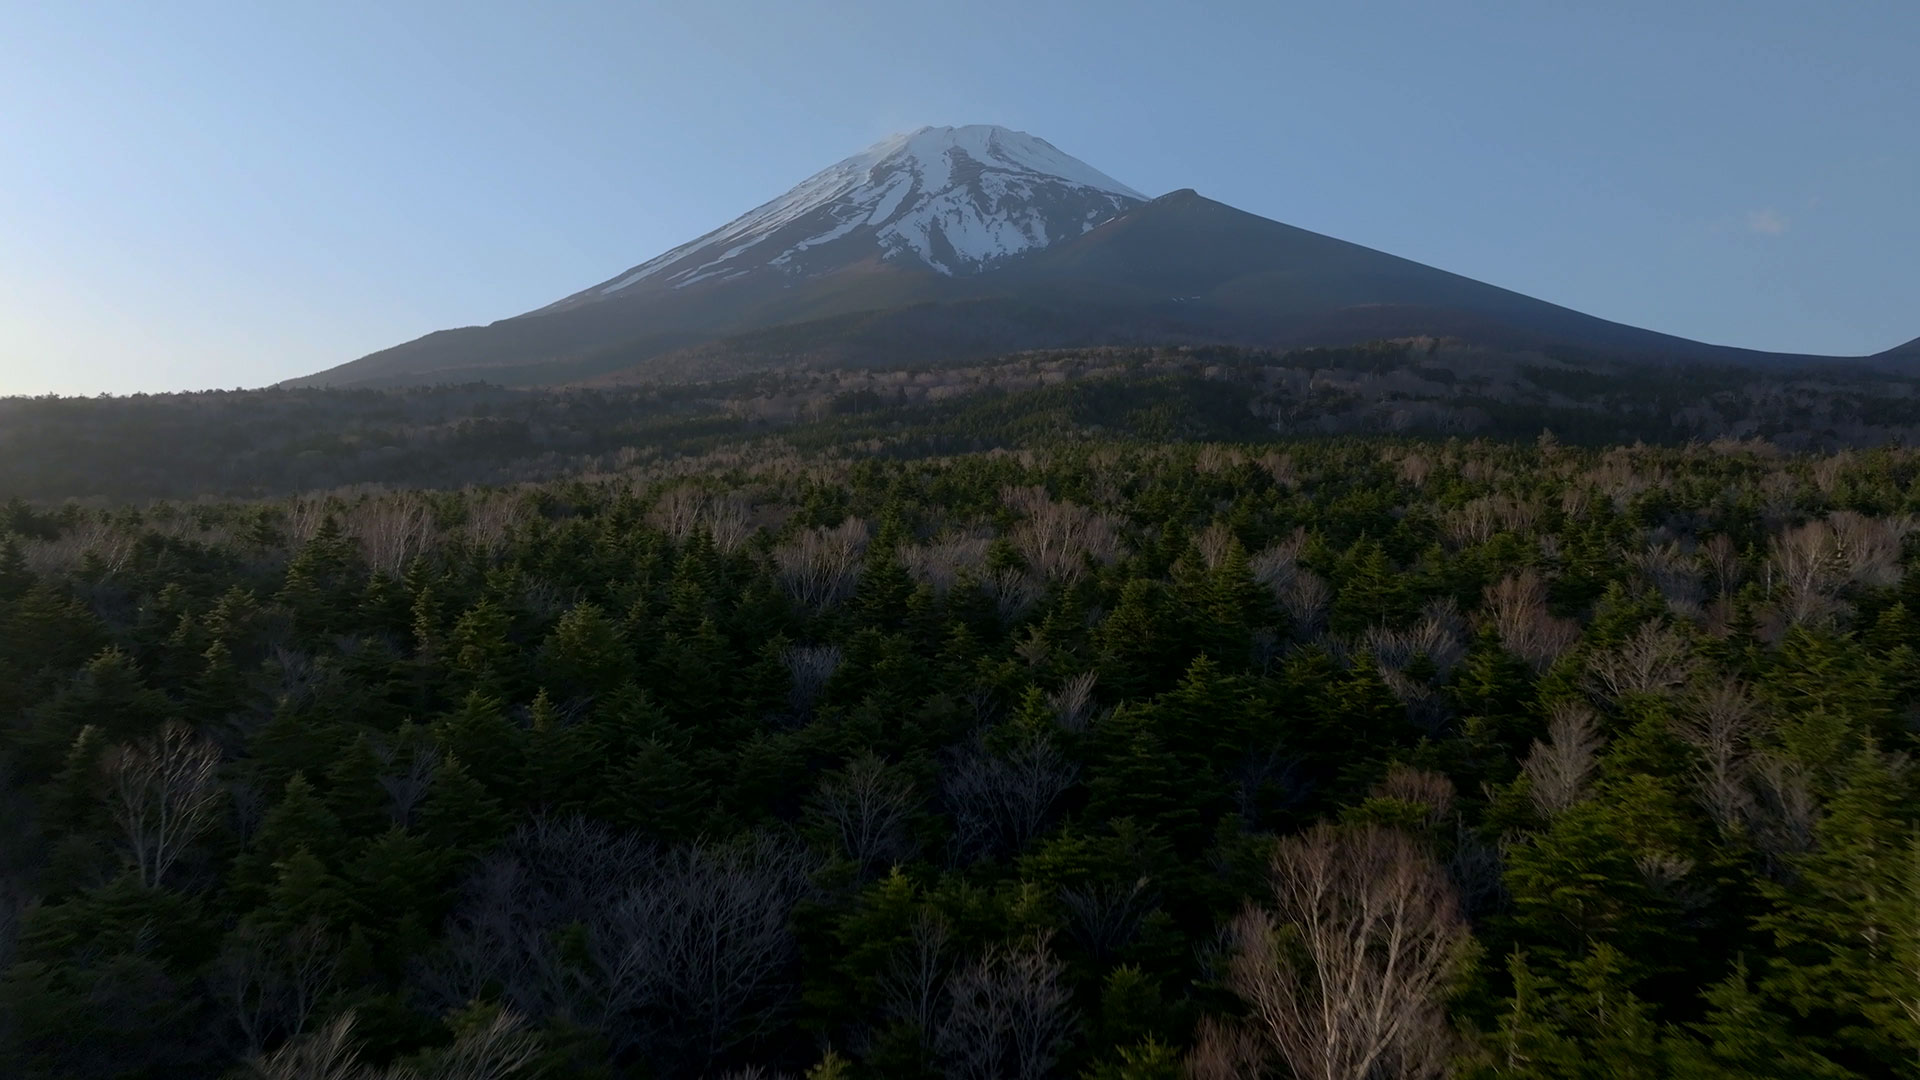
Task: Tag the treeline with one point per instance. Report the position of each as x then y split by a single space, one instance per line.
1327 759
249 444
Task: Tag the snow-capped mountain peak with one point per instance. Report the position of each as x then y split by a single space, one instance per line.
953 199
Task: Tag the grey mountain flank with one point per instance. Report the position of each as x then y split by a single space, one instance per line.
949 244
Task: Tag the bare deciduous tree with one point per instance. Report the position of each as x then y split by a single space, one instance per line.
405 790
1105 918
687 954
162 791
1305 598
1225 1051
271 982
391 530
1719 723
942 563
327 1054
496 1050
683 511
867 806
491 520
1675 574
1056 538
913 989
1213 543
1346 976
1655 660
820 567
1782 815
1073 703
1724 559
1439 638
1558 770
1276 564
1811 563
999 802
1013 592
810 666
1517 604
701 950
1008 1017
1420 787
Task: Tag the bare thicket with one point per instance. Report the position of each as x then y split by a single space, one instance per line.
1305 598
913 989
1723 558
687 953
95 537
407 788
1479 519
1104 918
551 873
1719 722
1034 648
1057 538
725 518
328 1054
1805 564
1013 592
1008 1017
162 791
1655 660
867 806
1346 975
811 667
1420 787
998 802
1440 639
499 1049
942 563
1073 704
1213 543
1559 769
1517 606
1282 468
1225 1051
820 567
305 518
1810 564
1781 817
1413 468
1275 564
271 981
753 1072
492 518
1265 778
392 530
1675 574
699 955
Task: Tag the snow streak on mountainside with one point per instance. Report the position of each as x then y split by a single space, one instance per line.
953 199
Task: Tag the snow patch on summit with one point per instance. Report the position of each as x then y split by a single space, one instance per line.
954 199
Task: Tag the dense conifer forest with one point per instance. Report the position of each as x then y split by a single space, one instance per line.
1054 748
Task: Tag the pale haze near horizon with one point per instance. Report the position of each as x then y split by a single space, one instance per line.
200 195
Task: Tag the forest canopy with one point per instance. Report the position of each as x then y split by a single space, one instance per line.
1055 756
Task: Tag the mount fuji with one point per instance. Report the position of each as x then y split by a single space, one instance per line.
954 200
952 243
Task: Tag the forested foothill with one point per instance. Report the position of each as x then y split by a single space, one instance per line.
1127 715
286 441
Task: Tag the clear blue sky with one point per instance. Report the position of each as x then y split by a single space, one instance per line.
197 194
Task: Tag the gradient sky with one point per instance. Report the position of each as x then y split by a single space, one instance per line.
223 194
